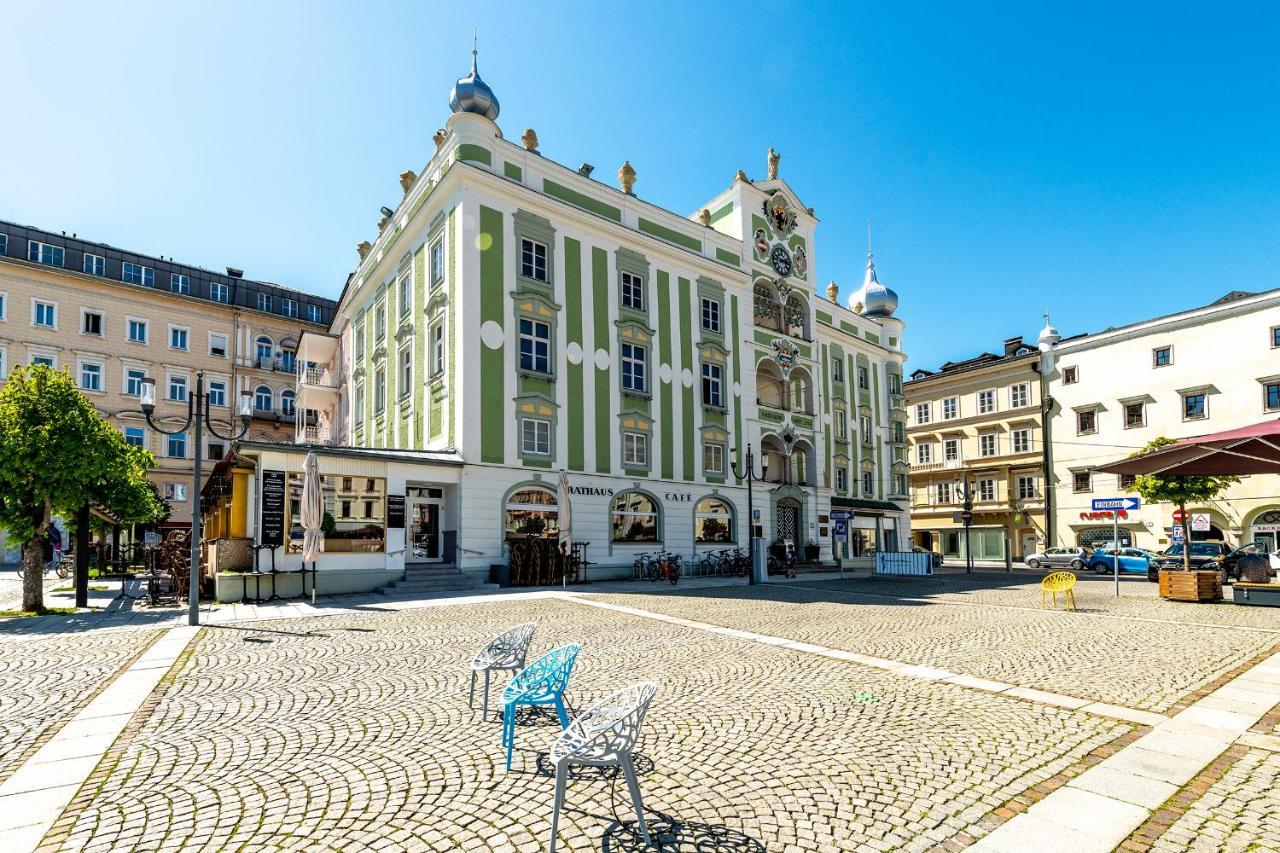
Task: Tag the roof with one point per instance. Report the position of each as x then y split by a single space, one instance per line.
385 454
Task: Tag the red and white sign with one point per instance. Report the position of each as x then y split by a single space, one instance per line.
1200 522
1178 516
1102 515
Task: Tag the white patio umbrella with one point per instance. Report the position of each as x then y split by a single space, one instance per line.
564 518
312 516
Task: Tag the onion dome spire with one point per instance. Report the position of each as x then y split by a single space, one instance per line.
472 95
876 299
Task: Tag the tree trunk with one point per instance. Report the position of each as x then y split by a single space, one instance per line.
1186 536
33 574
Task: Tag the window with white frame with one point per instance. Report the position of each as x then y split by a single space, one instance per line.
137 331
986 402
711 314
1026 487
217 392
217 345
179 283
44 314
287 400
44 253
842 424
868 483
313 313
712 385
986 489
46 360
634 361
90 376
864 378
4 362
357 402
535 437
178 389
175 492
133 377
437 263
635 450
923 413
899 483
437 349
535 345
842 479
263 399
94 264
358 337
632 291
264 302
1019 395
1020 440
864 424
988 444
533 259
950 408
4 306
406 371
91 322
137 274
219 292
837 368
289 307
1082 481
176 446
405 284
179 337
4 244
951 450
379 389
135 437
1086 421
943 491
713 458
924 454
380 323
895 387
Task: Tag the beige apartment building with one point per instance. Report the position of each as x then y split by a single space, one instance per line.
977 425
112 317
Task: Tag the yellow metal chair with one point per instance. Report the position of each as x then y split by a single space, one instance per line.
1059 582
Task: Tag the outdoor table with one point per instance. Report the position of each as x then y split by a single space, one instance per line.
257 551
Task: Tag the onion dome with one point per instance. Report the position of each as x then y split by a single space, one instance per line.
1049 336
875 299
472 95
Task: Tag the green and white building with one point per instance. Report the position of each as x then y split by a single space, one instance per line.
516 317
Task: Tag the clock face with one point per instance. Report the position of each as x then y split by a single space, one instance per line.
781 260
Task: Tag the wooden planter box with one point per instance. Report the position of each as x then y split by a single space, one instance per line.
1259 594
1190 586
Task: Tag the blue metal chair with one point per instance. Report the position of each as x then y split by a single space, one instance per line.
540 683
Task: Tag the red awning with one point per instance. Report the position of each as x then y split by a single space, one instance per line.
1252 449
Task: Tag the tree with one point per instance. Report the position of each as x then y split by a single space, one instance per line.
1164 488
56 454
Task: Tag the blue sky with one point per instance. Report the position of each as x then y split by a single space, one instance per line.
1106 161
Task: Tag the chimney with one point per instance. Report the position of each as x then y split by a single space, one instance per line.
1011 345
232 272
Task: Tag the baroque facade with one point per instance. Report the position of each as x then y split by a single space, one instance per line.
531 320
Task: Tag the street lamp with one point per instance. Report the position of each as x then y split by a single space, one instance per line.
749 475
197 414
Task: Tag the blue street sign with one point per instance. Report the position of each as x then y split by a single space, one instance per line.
1103 504
841 527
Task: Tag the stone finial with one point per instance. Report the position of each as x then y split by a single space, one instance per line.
626 177
833 292
406 180
364 247
809 210
382 223
439 137
774 157
741 176
704 216
530 139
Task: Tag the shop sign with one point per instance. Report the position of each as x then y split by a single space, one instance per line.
679 497
272 512
591 491
395 512
1105 515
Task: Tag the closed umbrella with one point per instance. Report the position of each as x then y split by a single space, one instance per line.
312 516
565 519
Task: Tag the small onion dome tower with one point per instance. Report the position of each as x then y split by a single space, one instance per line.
1047 343
472 95
876 300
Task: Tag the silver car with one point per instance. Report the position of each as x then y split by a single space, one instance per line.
1059 558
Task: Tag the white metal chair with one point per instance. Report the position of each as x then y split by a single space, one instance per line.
504 653
604 735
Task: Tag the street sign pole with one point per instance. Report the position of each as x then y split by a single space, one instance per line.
1115 542
1115 506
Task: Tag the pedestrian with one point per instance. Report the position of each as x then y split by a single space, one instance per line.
1253 567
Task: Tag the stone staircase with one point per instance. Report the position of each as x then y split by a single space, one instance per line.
423 580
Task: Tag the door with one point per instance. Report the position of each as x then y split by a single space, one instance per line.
1028 544
788 522
424 531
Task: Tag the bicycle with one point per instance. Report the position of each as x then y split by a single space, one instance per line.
60 563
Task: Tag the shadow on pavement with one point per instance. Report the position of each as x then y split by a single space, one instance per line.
669 832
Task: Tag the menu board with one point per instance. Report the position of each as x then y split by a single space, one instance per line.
271 528
395 512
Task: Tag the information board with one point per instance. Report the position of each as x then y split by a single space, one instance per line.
271 529
395 512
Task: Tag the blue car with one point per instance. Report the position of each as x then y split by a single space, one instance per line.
1133 561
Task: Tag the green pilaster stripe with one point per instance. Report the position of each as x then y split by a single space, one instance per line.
492 374
666 417
687 361
474 153
451 247
722 212
604 406
670 235
573 334
585 202
826 402
418 433
738 436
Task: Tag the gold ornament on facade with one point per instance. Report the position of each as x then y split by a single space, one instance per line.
382 223
704 216
407 178
626 177
774 157
440 136
833 292
530 139
741 176
364 247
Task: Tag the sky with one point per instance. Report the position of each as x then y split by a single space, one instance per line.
1107 162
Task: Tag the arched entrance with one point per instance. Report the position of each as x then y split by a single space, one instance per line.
786 521
1265 530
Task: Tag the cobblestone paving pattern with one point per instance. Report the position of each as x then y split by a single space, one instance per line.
1147 665
43 681
358 737
1094 594
1239 813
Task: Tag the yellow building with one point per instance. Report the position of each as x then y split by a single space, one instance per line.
975 427
111 317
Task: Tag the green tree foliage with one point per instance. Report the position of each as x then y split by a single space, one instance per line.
1164 488
56 453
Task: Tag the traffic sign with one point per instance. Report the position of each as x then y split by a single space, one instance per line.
1178 536
841 527
1104 504
1200 522
1178 516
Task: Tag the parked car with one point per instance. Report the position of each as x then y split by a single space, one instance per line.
1073 558
1133 561
1204 555
937 558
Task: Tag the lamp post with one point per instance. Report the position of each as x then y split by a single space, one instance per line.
197 414
966 516
749 474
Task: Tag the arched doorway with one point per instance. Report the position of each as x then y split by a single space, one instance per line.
1265 530
786 522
